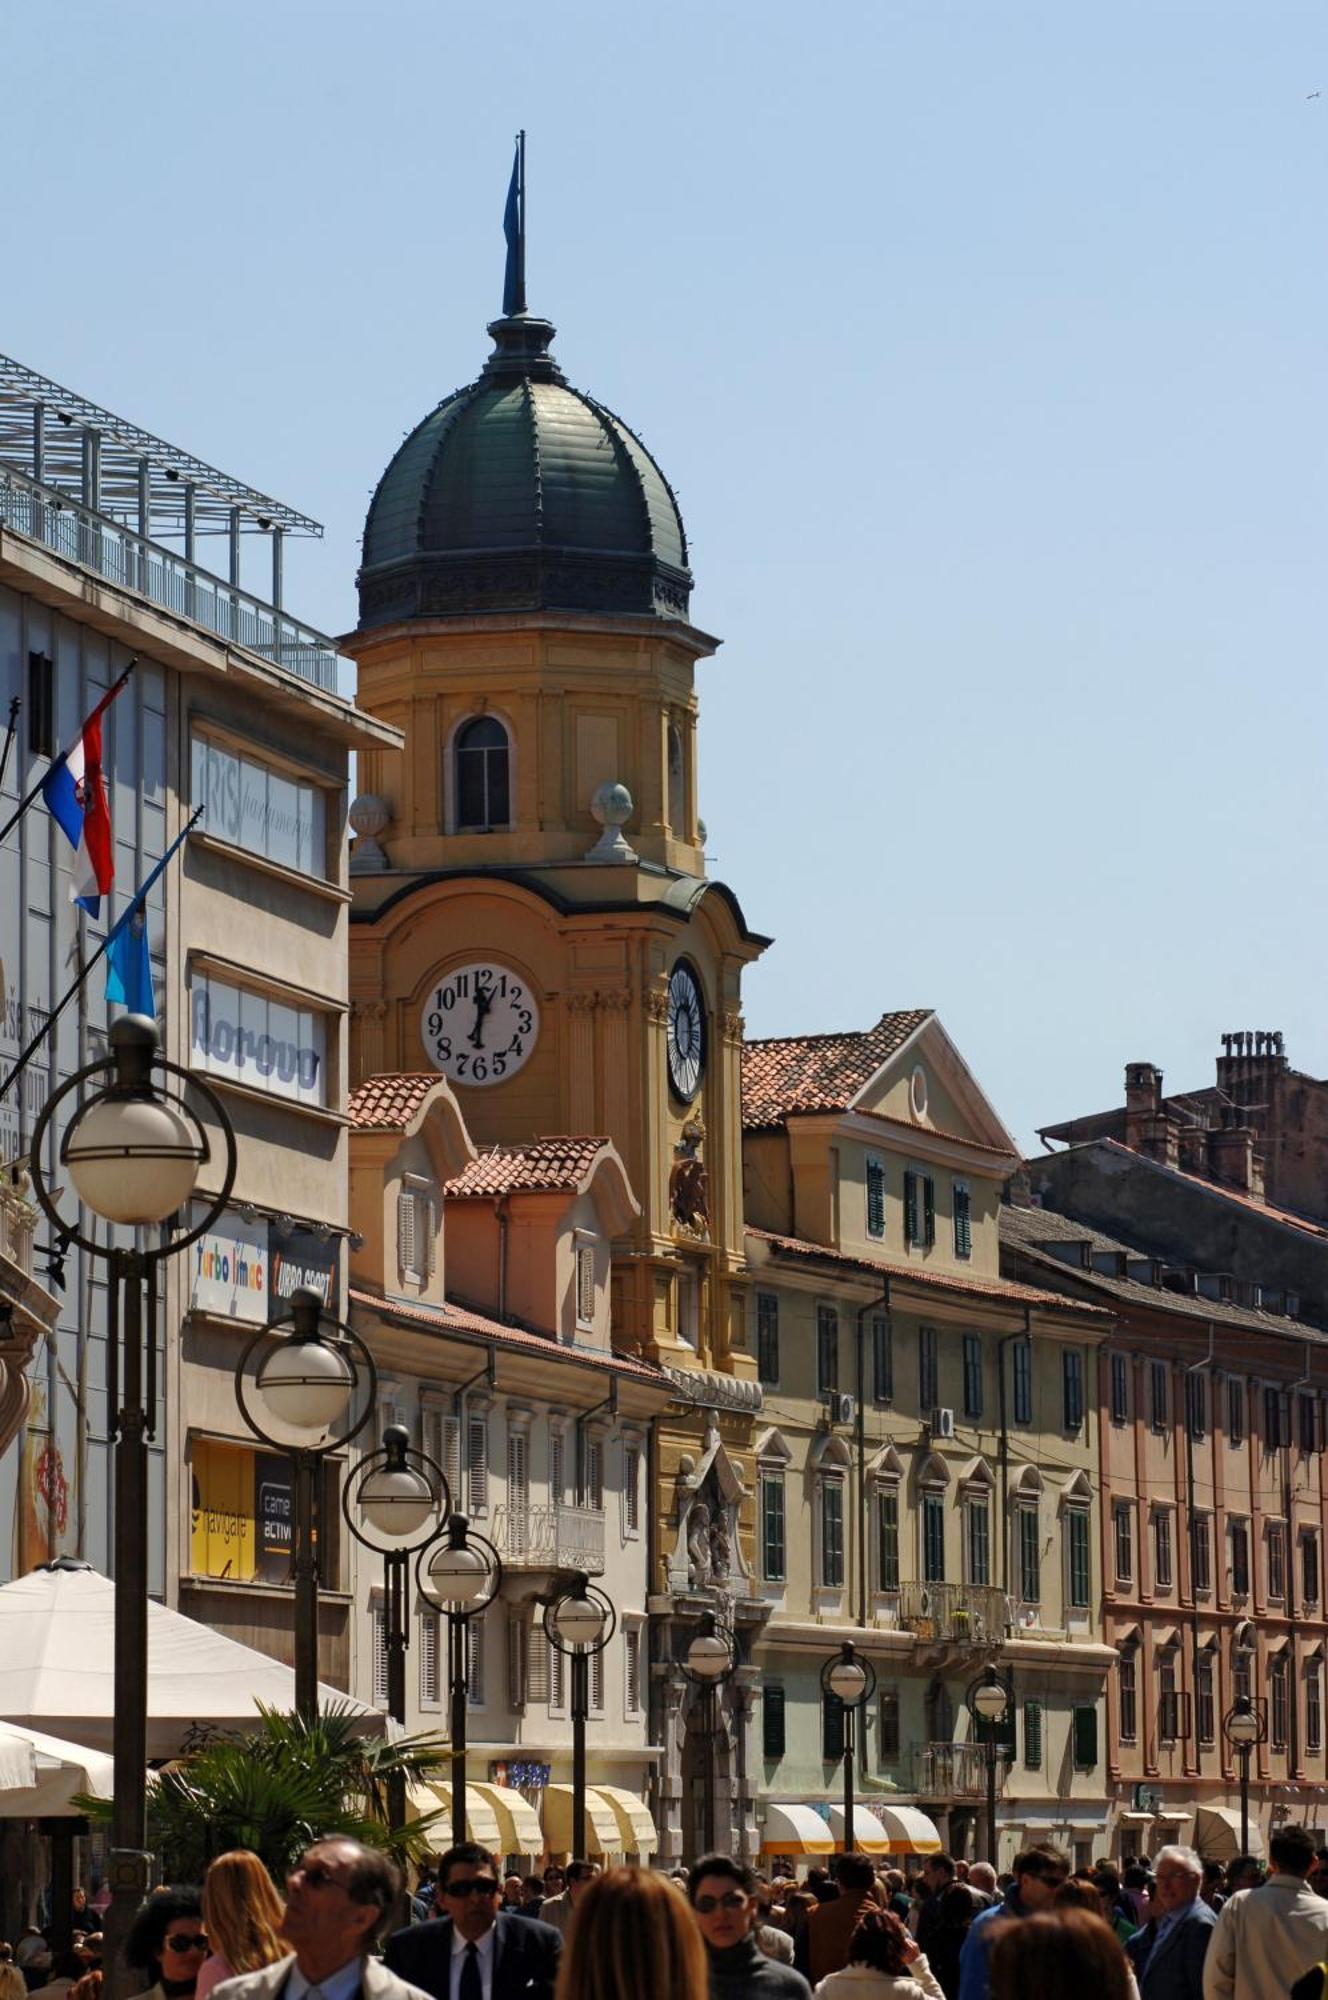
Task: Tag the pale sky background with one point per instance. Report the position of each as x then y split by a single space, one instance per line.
982 344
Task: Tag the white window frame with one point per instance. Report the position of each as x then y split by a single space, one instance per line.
417 1228
587 1289
378 1649
633 1457
429 1639
633 1654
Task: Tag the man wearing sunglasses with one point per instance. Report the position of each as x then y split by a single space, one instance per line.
1038 1874
472 1951
722 1894
339 1897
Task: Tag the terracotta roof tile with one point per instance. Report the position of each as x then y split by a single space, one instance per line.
544 1166
388 1103
818 1072
904 1275
452 1318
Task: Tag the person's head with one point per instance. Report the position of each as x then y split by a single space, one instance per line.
1077 1894
1107 1879
1245 1872
554 1881
720 1891
80 1899
1179 1873
880 1940
1292 1850
632 1935
1058 1955
938 1872
242 1911
580 1875
511 1890
1317 1877
339 1897
894 1880
1038 1874
532 1890
1137 1876
981 1875
167 1939
957 1907
854 1874
468 1887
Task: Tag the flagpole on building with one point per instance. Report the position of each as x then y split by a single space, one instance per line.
14 707
100 709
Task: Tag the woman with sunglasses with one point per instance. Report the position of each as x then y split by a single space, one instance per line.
167 1941
242 1914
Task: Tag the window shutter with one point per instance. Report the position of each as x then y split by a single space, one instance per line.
557 1472
910 1206
407 1246
518 1471
963 1220
477 1465
772 1721
875 1197
929 1210
378 1640
475 1661
556 1661
832 1728
537 1665
585 1283
596 1679
1085 1738
430 1684
883 1359
632 1489
517 1634
1033 1735
632 1670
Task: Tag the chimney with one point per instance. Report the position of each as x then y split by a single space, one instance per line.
1231 1154
1161 1139
1143 1100
1194 1149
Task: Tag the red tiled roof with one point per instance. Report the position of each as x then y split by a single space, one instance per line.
818 1072
388 1103
544 1166
948 1281
451 1318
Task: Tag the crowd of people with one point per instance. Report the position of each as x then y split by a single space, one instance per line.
1175 1929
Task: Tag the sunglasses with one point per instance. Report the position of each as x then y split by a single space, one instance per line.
707 1905
196 1941
474 1885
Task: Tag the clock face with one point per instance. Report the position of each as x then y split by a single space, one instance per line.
686 1032
480 1023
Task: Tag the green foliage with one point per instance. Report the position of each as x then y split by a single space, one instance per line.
282 1786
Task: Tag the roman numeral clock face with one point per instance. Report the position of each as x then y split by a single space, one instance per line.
479 1023
686 1032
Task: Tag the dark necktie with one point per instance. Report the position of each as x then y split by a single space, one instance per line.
470 1987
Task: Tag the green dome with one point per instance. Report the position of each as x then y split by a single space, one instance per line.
520 493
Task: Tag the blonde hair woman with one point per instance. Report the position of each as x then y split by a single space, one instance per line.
242 1913
632 1938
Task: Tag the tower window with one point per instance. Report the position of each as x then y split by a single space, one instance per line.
482 758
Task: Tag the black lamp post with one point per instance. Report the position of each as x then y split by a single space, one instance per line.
460 1577
989 1702
133 1150
1244 1724
305 1383
852 1680
579 1622
401 1497
709 1661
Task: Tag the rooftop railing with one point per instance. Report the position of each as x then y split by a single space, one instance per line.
111 550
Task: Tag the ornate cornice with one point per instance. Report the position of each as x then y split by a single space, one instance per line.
707 1389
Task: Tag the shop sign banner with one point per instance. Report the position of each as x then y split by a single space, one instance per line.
300 1259
228 1267
274 1518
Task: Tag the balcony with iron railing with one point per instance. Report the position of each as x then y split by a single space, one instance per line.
550 1537
954 1614
953 1770
111 550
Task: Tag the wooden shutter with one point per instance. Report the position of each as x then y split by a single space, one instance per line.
875 1197
1085 1738
430 1683
537 1665
929 1210
832 1728
910 1206
1033 1735
596 1679
407 1244
518 1633
477 1465
378 1640
632 1670
557 1468
632 1489
585 1283
475 1661
772 1721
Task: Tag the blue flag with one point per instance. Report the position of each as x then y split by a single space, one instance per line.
514 229
129 963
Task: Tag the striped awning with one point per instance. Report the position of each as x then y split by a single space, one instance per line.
907 1830
519 1829
795 1829
869 1836
603 1835
635 1826
481 1819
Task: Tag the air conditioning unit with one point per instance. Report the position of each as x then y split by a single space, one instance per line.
843 1409
942 1423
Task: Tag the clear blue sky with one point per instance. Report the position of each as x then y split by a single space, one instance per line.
983 344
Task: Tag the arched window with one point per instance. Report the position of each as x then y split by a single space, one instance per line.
676 789
482 759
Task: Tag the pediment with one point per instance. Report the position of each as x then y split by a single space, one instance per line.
927 1083
772 1447
933 1471
887 1464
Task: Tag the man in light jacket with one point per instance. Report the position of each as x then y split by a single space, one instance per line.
1266 1938
338 1900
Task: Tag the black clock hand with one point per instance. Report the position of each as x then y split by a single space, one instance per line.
483 1002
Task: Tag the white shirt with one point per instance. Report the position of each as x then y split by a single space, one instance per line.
343 1984
484 1953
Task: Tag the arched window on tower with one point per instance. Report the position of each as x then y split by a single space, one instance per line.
677 793
482 760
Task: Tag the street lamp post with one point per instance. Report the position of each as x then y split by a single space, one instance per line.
133 1151
460 1577
579 1622
305 1384
401 1498
852 1680
989 1701
709 1661
1244 1725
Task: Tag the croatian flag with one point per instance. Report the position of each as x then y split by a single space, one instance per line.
75 795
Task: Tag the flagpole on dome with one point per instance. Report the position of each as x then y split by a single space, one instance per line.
514 229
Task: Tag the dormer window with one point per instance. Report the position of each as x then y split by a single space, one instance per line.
481 758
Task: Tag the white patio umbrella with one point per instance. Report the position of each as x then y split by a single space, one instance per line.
57 1650
60 1772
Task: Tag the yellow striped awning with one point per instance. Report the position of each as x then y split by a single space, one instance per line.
795 1829
869 1836
481 1819
635 1826
603 1835
518 1822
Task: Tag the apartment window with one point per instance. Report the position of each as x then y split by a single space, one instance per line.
832 1728
1169 1728
887 1743
475 1662
632 1670
972 1375
518 1639
963 1220
1277 1688
1196 1405
827 1350
1157 1395
1033 1735
1309 1568
928 1385
1120 1388
481 763
1122 1527
41 705
537 1665
1080 1566
1309 1423
1240 1673
767 1336
1314 1706
1235 1410
772 1526
596 1678
431 1685
557 1468
883 1358
258 808
556 1689
1277 1561
1206 1705
1162 1572
632 1489
1022 1362
919 1209
1084 1738
1029 1544
416 1229
977 1523
1276 1423
477 1465
772 1720
590 1472
887 1538
875 1195
933 1538
1072 1387
1127 1695
245 1037
832 1534
1238 1537
1203 1559
518 1487
585 1284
